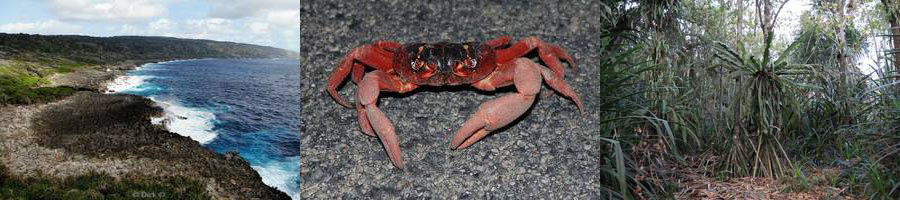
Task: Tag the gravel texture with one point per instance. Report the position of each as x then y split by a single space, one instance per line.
552 152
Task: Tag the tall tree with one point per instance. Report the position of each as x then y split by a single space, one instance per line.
764 14
739 29
892 9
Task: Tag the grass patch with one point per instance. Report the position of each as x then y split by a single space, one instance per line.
99 186
68 68
25 90
39 68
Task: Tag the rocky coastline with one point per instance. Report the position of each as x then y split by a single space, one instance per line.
92 132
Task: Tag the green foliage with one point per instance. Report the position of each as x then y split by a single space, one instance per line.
69 51
68 68
25 90
99 186
620 169
762 111
874 140
761 107
798 181
820 43
619 75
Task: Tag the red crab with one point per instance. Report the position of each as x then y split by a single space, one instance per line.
485 66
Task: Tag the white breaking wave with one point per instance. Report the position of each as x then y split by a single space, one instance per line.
281 175
126 83
194 123
198 125
182 60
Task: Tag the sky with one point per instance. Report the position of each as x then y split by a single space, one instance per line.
789 18
789 24
273 23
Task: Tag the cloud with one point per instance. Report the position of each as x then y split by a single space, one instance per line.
284 18
236 9
254 30
264 22
259 28
108 10
160 26
209 28
41 27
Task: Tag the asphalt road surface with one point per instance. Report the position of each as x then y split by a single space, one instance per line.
551 152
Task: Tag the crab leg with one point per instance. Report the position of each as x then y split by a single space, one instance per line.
503 76
556 83
376 56
548 53
357 72
372 119
498 42
364 124
499 112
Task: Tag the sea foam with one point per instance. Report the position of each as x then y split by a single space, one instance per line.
126 83
199 123
186 121
281 175
194 123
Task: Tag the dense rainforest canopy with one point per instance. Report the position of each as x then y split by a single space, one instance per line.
731 90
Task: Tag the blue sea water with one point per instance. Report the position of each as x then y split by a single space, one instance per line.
246 106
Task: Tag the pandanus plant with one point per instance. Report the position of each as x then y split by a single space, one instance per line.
761 111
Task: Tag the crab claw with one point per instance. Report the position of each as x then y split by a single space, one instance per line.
372 120
490 116
337 77
499 112
385 131
373 55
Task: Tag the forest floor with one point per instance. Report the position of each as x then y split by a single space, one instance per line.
696 183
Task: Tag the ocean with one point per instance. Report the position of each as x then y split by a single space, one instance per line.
251 107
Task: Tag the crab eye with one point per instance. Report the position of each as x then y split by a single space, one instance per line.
463 64
471 63
417 64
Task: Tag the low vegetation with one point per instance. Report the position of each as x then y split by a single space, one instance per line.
26 90
99 186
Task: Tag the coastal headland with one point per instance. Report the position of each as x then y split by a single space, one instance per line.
108 140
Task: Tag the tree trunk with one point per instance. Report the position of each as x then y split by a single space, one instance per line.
740 19
843 60
895 38
893 10
740 35
842 40
764 13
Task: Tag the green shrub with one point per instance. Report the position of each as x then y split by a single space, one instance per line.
99 186
763 112
24 90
